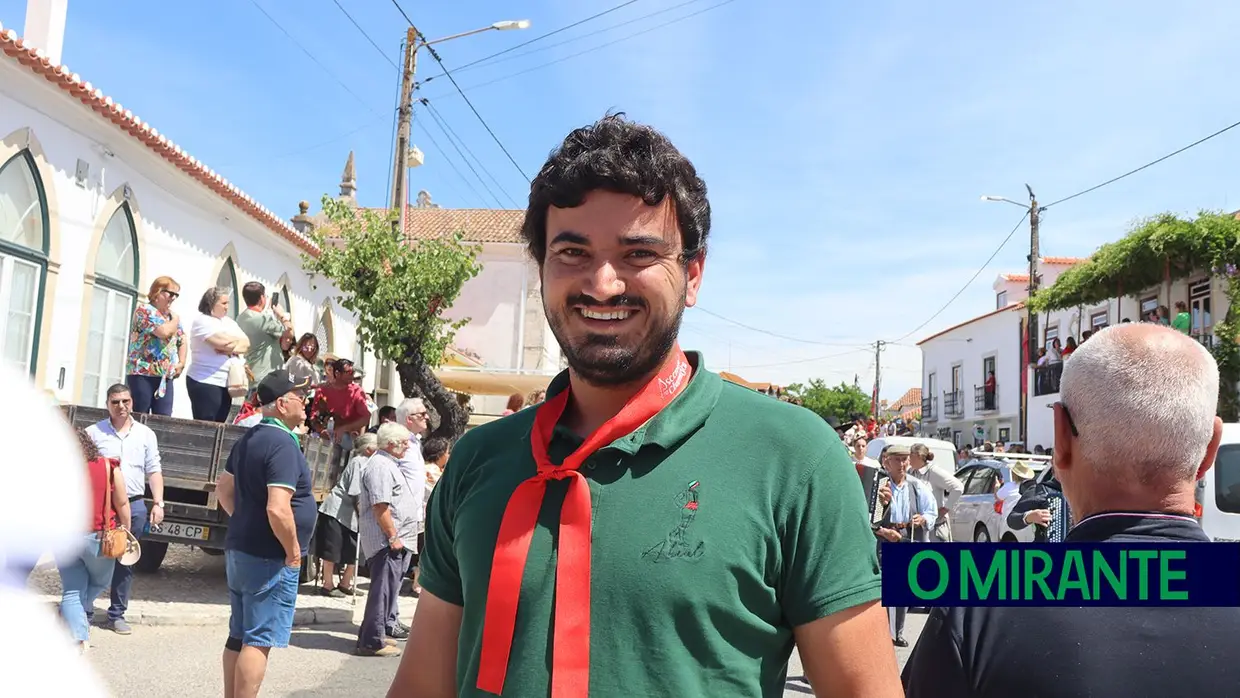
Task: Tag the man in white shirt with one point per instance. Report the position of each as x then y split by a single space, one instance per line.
413 415
134 444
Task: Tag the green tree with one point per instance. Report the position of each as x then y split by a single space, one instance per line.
842 402
398 290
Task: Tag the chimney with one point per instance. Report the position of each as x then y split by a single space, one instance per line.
348 182
45 27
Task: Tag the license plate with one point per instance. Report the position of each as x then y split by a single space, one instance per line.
180 530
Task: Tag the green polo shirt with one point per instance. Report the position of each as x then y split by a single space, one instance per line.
724 522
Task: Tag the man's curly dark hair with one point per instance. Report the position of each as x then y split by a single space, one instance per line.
618 155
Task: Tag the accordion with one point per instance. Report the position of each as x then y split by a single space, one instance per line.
871 481
1057 531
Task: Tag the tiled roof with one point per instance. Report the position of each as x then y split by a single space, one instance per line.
1010 306
910 399
1064 261
478 224
1016 277
37 62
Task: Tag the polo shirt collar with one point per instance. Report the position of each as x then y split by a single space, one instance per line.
1128 525
273 422
675 422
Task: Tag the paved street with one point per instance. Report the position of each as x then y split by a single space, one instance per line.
158 661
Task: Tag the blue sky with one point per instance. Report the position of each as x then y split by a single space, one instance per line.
845 144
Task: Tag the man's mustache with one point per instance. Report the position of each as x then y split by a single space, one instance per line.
613 302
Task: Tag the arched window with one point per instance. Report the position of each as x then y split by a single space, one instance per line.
323 332
228 280
285 301
23 261
111 307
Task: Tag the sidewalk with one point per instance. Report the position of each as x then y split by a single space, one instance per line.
190 589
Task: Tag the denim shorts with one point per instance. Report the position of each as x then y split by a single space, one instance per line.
263 595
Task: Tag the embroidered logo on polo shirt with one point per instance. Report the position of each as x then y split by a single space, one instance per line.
677 545
669 385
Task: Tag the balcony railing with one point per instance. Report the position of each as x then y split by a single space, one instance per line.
985 400
953 405
929 413
1046 378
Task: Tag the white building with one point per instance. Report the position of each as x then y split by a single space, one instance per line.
95 204
955 363
956 360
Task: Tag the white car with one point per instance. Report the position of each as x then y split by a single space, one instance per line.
944 452
978 515
1218 493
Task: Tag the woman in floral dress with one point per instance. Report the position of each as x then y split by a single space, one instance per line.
156 349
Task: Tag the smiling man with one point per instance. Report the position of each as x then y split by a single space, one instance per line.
649 529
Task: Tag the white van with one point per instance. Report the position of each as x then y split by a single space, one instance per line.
1218 493
944 452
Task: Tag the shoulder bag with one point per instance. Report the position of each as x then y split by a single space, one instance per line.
112 540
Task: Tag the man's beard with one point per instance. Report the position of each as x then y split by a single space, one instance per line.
603 360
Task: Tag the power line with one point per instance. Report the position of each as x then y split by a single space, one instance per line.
553 32
435 55
455 146
774 334
368 38
1148 164
311 56
444 122
806 361
970 281
599 47
444 155
450 164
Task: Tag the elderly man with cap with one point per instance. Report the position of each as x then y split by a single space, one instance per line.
908 516
266 488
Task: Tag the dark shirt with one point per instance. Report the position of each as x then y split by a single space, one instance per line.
1094 652
268 456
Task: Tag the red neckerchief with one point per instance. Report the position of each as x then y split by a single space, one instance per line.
570 673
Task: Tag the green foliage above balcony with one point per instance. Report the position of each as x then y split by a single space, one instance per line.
1155 247
1158 247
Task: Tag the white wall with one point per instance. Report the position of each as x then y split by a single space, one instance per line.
996 335
183 229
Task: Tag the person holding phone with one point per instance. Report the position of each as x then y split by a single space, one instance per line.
268 332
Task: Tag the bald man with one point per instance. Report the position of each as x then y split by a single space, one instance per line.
1134 430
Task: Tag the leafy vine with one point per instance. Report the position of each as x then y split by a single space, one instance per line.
1165 247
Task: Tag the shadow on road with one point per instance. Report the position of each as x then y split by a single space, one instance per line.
341 639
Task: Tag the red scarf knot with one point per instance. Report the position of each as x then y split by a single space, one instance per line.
570 667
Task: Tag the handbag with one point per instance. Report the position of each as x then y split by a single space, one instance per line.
113 541
238 377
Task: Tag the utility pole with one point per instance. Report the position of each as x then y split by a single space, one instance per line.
400 170
1031 320
878 374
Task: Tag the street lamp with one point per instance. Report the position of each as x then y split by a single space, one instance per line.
506 25
1004 199
414 41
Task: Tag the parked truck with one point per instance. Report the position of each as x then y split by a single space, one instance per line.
193 454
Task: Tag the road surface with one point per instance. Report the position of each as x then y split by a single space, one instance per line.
184 662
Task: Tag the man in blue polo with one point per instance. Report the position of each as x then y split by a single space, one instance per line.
266 490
